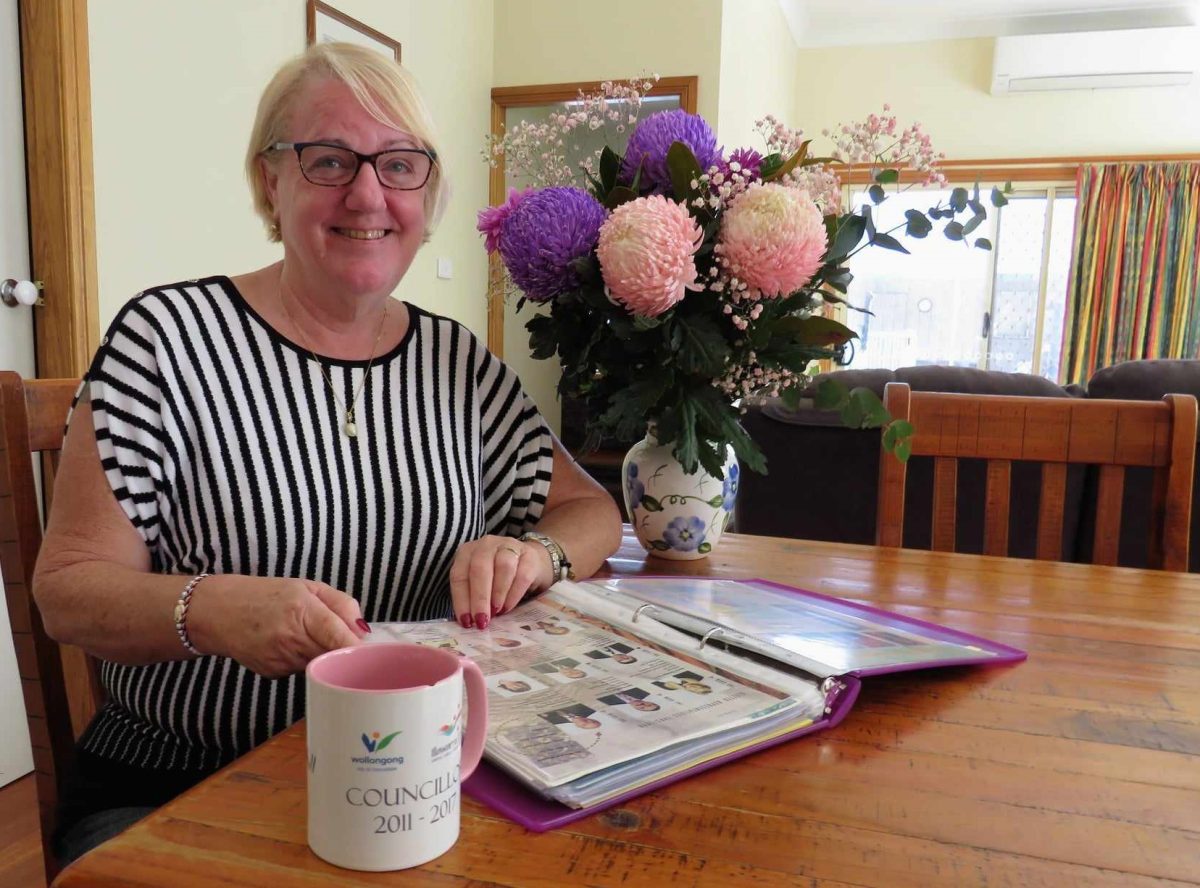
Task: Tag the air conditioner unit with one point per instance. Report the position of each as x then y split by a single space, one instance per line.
1095 60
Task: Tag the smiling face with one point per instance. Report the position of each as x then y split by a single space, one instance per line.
356 239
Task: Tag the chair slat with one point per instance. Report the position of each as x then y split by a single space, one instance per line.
995 516
945 494
1108 514
1177 510
889 521
1051 507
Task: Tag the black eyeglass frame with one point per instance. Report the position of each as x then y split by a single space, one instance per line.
371 159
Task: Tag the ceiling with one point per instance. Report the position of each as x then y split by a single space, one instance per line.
857 22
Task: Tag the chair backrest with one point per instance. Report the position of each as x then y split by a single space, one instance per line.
1055 432
59 683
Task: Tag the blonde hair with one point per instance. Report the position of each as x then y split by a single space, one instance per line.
383 88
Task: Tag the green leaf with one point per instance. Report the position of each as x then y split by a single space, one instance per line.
878 195
704 548
684 168
998 198
386 740
788 165
953 231
887 177
830 395
703 347
888 243
650 504
874 414
904 450
815 330
838 278
983 243
849 233
769 165
973 223
543 336
958 199
619 195
717 501
918 225
659 546
610 166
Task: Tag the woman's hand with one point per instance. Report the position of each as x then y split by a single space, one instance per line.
492 574
272 626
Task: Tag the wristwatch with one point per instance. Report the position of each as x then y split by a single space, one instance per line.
560 567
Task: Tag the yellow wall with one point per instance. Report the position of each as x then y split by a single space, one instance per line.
174 90
758 71
945 85
561 41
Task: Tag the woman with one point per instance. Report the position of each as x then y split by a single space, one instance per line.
258 466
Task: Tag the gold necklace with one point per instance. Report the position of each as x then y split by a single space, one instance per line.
348 427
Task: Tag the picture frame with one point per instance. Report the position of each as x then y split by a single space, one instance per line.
325 23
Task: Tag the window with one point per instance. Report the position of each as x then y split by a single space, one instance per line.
949 303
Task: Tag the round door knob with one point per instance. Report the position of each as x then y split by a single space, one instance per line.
14 292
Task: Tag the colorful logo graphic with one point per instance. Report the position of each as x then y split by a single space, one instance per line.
375 743
448 730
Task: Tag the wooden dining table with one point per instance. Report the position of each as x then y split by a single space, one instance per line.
1080 766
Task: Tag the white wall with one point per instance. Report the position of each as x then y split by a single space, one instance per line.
757 71
174 90
944 85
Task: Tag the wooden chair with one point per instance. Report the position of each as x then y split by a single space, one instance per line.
59 683
1055 432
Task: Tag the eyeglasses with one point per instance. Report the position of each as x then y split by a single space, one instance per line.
404 169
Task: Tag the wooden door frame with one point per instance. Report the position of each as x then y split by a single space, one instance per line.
505 97
56 90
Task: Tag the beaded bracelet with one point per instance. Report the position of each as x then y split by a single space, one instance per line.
181 613
560 567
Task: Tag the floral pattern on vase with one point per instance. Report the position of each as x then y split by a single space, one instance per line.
676 515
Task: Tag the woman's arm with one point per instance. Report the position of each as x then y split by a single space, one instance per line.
492 574
94 588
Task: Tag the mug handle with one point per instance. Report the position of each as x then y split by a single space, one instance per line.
477 718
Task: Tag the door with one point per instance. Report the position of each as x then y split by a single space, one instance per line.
16 348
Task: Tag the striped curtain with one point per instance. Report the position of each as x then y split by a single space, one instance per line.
1134 282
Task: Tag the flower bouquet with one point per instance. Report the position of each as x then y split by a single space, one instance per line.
681 278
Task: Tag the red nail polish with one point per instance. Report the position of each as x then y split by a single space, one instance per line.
465 621
495 609
481 620
363 624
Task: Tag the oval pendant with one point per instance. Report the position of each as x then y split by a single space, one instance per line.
351 430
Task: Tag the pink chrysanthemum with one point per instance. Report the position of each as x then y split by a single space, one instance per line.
772 239
645 250
491 219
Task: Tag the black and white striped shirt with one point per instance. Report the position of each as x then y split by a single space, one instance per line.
224 445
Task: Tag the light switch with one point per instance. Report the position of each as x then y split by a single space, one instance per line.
445 269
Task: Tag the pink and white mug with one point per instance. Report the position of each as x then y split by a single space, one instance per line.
388 744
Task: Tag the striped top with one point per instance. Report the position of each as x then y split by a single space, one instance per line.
224 446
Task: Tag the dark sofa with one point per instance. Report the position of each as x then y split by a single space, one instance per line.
823 479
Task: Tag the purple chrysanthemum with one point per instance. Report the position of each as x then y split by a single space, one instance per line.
490 220
652 138
544 234
750 162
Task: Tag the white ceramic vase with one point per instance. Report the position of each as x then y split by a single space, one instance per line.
675 514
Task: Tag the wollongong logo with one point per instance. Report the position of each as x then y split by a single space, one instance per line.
376 744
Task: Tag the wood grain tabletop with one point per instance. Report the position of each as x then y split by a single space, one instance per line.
1080 766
